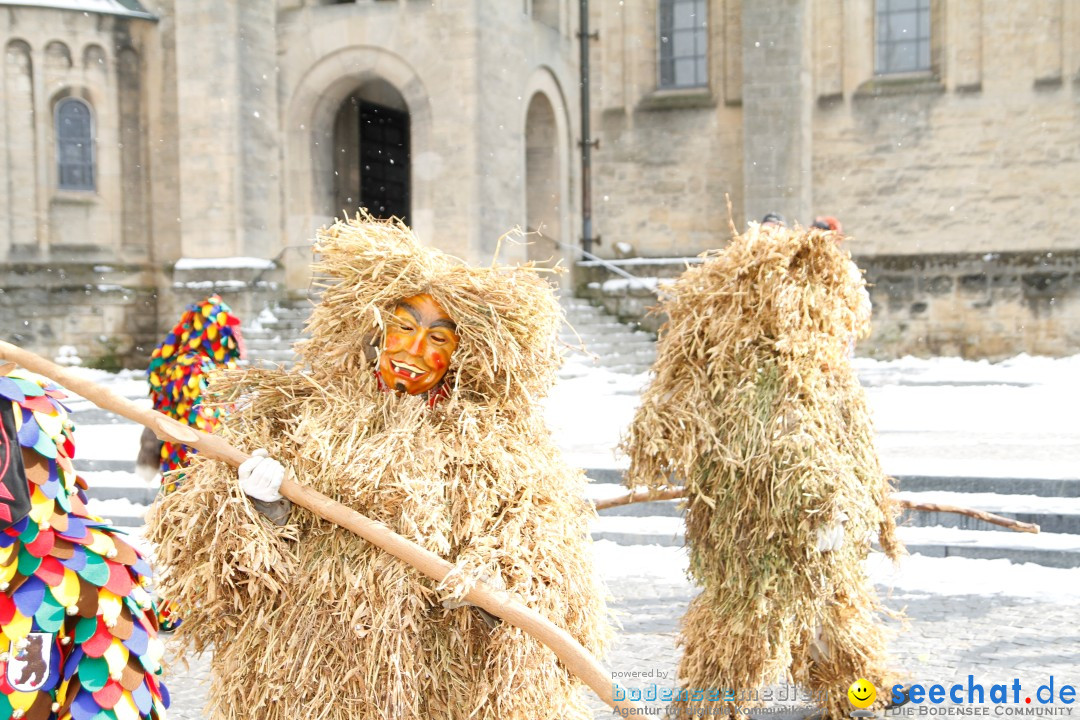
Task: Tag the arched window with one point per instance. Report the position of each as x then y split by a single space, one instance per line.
74 145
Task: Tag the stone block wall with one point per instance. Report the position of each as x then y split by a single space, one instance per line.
666 157
971 305
975 154
108 313
991 305
52 56
115 314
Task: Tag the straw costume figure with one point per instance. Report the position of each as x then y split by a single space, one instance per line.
207 338
756 409
78 628
308 620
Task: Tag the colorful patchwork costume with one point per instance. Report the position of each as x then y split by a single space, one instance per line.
79 634
207 338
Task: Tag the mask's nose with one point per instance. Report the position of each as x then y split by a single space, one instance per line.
416 347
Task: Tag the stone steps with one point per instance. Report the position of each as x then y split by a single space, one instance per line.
271 336
1047 549
936 534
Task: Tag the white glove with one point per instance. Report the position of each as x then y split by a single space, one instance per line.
832 537
261 476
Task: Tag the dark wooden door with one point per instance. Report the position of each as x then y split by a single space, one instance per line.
384 161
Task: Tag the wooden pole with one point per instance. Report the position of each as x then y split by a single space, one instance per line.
971 512
674 493
677 493
577 659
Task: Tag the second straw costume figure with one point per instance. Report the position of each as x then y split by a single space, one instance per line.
756 409
308 620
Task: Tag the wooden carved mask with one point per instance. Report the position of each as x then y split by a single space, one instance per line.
420 338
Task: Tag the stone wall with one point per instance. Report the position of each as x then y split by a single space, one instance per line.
777 106
976 154
466 72
666 158
228 130
991 305
971 305
114 314
51 56
107 312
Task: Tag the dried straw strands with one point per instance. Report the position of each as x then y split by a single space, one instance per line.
308 620
756 408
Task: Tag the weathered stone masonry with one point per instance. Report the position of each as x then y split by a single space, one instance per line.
973 305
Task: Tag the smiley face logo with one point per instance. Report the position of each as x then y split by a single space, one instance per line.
862 694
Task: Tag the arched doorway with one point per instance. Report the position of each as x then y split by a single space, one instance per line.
372 152
542 174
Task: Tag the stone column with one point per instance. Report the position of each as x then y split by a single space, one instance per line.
260 131
777 97
228 128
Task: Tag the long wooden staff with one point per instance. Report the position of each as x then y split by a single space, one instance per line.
677 493
577 659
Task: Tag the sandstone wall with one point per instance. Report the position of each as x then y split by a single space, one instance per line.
49 56
972 305
977 154
665 158
466 72
981 155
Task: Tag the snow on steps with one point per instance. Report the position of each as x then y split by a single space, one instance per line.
1048 549
932 534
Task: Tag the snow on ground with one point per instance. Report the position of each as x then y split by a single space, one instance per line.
126 383
940 416
114 509
920 575
937 535
914 576
652 563
224 262
118 441
588 413
113 478
946 416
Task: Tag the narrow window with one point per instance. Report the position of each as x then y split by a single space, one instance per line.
903 36
74 145
683 44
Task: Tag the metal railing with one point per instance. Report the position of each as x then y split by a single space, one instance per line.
607 264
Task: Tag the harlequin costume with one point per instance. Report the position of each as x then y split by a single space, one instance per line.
207 338
78 628
307 619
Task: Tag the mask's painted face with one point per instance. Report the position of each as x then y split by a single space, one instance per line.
419 340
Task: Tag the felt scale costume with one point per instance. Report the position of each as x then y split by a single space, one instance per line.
207 338
309 620
77 622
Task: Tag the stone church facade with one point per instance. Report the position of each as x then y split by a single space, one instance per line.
155 150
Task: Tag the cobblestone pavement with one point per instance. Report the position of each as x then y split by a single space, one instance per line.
995 639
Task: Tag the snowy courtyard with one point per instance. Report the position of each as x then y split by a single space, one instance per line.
1007 427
